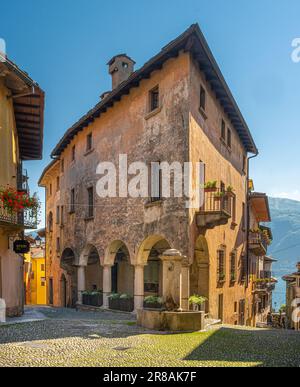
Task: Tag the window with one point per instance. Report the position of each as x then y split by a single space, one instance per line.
50 222
243 267
57 214
202 98
50 189
244 164
154 99
62 221
221 275
62 166
156 182
233 211
223 130
236 308
244 217
228 138
72 201
42 267
57 184
90 202
89 142
43 282
73 153
32 275
233 266
57 244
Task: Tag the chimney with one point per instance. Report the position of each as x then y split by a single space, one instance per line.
120 68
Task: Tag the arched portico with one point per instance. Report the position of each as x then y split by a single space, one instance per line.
199 274
118 273
148 269
69 293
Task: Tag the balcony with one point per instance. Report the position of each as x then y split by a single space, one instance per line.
216 210
258 243
265 284
26 219
22 179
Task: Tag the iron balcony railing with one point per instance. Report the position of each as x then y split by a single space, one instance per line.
26 218
217 201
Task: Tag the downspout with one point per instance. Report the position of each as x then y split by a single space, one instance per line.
248 216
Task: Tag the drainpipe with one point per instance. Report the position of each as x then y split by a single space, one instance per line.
248 216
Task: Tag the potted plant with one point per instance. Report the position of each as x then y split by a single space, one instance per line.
153 302
210 186
96 299
86 298
222 277
114 301
230 191
219 195
126 303
198 303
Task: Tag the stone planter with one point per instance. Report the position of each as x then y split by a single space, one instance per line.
127 305
153 305
170 321
96 299
114 304
92 299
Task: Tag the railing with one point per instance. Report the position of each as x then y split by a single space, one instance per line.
217 201
22 179
258 238
26 218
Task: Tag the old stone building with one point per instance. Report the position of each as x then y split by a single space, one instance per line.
176 108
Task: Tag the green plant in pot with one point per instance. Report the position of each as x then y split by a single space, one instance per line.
230 191
218 196
126 303
198 302
114 301
210 186
153 302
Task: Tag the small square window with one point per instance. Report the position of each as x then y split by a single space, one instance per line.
154 99
202 98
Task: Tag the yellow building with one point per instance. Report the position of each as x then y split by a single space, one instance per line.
21 134
35 275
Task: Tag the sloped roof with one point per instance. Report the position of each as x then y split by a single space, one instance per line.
191 40
28 101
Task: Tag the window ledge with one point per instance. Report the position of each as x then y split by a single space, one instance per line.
153 113
71 212
89 152
202 112
154 204
89 218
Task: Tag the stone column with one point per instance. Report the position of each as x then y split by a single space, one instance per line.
138 287
106 285
185 285
81 282
171 260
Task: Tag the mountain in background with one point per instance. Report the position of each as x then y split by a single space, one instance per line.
286 244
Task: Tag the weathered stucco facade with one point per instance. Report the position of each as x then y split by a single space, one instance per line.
14 148
137 232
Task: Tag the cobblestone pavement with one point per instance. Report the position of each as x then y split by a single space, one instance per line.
70 338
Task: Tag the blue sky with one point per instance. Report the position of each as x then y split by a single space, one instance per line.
65 45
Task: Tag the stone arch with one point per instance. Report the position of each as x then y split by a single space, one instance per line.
199 274
68 264
149 256
90 259
146 246
122 272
